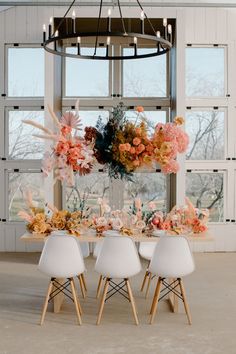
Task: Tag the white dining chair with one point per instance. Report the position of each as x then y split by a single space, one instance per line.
96 251
146 251
84 246
118 259
61 260
172 259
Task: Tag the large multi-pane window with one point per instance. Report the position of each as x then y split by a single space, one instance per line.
206 122
24 88
104 86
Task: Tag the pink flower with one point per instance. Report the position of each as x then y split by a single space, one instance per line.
152 205
136 141
132 150
171 167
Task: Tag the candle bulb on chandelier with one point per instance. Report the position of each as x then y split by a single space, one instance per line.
73 21
44 33
135 45
108 43
109 20
158 44
50 28
78 45
142 16
170 33
165 25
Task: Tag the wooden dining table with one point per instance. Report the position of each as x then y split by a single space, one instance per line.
90 236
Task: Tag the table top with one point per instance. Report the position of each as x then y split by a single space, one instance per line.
91 237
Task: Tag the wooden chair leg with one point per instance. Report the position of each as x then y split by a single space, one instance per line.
84 282
144 280
103 300
78 302
77 306
185 301
132 301
148 284
155 300
46 301
99 287
82 286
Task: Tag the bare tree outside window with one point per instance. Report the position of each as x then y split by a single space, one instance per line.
144 77
86 191
18 183
206 132
206 190
205 72
21 143
149 187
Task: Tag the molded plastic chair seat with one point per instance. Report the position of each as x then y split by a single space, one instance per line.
61 258
118 259
172 259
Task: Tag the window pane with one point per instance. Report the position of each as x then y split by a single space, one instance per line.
20 147
205 72
206 190
87 190
206 132
87 77
25 72
151 117
148 187
144 77
89 118
19 182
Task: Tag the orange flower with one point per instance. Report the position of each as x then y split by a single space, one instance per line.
132 150
136 141
62 148
179 120
138 131
122 147
65 129
139 109
136 163
127 147
140 149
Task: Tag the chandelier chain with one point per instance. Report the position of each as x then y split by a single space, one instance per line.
98 26
121 17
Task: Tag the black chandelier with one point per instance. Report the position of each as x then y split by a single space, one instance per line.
68 31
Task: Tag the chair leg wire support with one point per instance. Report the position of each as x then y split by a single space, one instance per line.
55 288
169 288
117 288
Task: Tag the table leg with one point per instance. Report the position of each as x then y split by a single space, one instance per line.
173 300
58 300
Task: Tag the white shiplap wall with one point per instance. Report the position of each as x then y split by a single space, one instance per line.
195 25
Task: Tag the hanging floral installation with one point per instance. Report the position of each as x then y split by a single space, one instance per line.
69 152
121 145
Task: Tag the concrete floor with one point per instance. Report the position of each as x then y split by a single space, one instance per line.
211 291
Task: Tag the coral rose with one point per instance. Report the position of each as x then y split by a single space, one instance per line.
140 149
65 129
136 141
122 147
132 150
127 147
